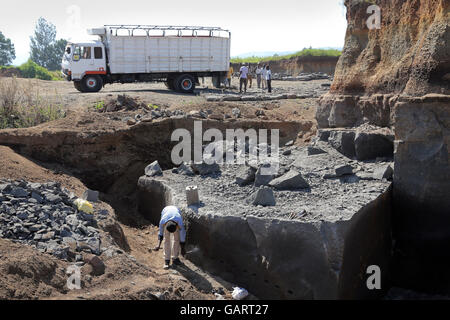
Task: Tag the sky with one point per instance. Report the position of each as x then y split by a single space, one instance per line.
256 26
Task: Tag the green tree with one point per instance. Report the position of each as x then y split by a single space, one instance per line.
7 51
46 51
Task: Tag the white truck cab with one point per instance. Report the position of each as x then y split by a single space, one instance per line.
86 61
177 56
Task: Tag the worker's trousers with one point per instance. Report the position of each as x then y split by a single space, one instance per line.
258 80
269 86
171 244
243 81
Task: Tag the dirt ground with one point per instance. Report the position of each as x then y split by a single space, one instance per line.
28 274
155 93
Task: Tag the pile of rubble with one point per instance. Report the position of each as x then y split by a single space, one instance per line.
43 215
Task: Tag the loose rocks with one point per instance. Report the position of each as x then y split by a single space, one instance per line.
343 170
202 168
262 197
263 176
153 169
245 176
383 172
44 216
290 181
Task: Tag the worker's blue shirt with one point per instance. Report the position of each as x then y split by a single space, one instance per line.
172 214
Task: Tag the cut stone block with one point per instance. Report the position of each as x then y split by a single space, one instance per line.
192 197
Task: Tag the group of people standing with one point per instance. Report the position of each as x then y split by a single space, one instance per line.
246 74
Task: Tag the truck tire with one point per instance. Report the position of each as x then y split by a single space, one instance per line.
185 83
77 85
91 83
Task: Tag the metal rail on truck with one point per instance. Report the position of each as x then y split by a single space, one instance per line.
180 29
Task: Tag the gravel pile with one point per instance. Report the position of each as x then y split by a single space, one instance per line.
44 216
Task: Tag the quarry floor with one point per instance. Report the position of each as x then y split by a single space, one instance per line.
143 278
138 274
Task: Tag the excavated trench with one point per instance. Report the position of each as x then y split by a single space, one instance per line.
272 258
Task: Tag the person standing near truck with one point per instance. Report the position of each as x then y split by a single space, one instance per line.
258 75
269 79
243 74
250 76
171 223
230 75
263 77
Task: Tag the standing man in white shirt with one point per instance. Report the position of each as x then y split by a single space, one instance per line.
263 76
269 79
258 75
243 74
171 223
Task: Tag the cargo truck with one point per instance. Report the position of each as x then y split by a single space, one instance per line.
175 55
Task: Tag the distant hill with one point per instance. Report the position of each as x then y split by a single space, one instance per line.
321 52
264 54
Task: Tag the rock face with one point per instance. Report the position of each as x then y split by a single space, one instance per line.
422 191
398 76
282 259
408 54
373 144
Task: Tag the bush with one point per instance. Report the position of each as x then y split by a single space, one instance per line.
21 105
31 70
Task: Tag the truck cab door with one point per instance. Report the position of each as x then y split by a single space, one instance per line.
83 61
88 60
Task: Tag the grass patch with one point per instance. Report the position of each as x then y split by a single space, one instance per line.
22 106
302 53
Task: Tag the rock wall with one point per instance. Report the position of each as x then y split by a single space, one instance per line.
398 76
422 192
297 65
408 54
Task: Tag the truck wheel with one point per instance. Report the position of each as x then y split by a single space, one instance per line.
77 85
91 83
185 83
